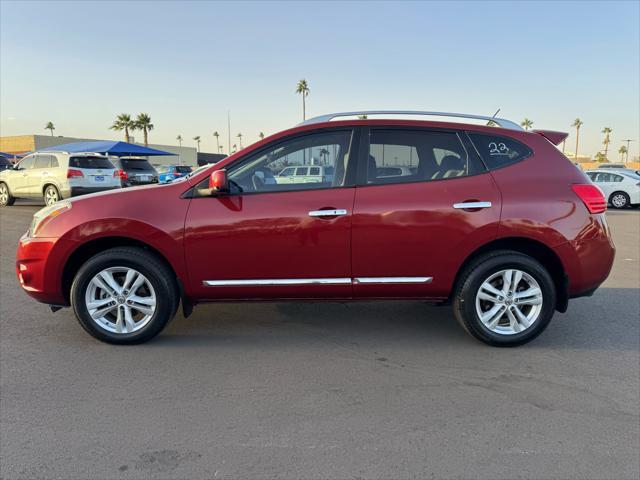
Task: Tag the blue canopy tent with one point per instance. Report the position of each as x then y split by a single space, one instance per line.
116 149
8 155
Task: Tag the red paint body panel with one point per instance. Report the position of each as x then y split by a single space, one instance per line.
269 236
412 230
390 230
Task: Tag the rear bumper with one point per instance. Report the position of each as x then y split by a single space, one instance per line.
39 266
75 191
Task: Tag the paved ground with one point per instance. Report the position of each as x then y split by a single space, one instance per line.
367 390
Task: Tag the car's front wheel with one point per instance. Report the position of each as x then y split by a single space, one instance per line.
619 200
6 199
124 295
505 298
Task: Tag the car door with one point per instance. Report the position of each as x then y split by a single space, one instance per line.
18 181
275 240
37 176
412 231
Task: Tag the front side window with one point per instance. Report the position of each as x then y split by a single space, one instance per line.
401 156
26 163
499 151
285 166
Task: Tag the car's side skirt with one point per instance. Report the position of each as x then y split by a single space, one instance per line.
315 281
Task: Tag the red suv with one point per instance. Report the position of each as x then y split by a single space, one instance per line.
492 219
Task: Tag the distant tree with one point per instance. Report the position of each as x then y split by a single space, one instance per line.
600 157
302 88
607 140
179 139
622 151
124 123
362 117
217 136
526 123
324 153
239 140
234 148
261 135
197 139
49 126
143 122
577 123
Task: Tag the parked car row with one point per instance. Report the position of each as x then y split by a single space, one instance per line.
52 176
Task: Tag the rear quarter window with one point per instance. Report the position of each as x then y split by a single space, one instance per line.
90 162
499 151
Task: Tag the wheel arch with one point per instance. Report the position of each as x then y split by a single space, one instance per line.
91 247
535 249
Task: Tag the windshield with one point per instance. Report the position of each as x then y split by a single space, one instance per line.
183 169
135 164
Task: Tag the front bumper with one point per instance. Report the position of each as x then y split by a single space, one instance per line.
39 267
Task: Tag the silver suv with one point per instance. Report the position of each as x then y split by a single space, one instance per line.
55 175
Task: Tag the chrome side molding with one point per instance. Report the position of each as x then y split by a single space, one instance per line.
315 281
370 280
469 205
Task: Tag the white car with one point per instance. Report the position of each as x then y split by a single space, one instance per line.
52 176
621 187
310 174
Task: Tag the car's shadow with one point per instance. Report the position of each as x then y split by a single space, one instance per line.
608 320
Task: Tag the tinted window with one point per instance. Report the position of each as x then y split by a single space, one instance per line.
42 161
399 156
314 171
497 151
136 164
617 178
90 162
27 163
182 169
271 169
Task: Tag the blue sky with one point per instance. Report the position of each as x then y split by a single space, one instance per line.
79 64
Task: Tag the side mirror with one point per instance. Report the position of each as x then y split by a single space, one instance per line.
218 182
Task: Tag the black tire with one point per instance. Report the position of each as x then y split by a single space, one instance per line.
480 269
621 200
6 199
50 192
154 269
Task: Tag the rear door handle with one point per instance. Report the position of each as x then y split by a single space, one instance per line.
472 205
327 213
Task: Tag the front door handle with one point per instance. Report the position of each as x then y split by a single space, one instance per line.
327 213
472 205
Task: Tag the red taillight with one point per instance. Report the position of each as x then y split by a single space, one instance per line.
592 197
122 174
72 173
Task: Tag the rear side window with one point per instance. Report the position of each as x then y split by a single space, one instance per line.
90 162
54 162
42 161
497 151
135 164
401 156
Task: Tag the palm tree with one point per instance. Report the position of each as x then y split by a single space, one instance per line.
324 153
197 139
239 140
143 122
124 123
220 148
526 123
49 126
607 140
600 157
303 89
234 148
622 151
362 117
261 135
577 123
217 135
179 139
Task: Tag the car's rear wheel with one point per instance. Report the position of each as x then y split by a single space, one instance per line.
6 199
51 195
619 200
505 298
124 295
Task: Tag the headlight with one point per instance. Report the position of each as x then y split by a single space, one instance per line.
41 217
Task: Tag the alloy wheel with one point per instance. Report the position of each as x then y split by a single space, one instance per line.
51 196
509 302
619 200
120 300
4 194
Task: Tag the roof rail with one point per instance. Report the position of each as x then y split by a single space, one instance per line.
501 122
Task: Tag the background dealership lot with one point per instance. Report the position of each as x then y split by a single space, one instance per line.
315 390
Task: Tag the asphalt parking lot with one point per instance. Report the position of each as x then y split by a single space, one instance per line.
363 390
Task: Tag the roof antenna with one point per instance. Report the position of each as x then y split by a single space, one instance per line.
491 123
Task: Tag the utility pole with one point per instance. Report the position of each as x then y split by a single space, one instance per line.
229 130
628 140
